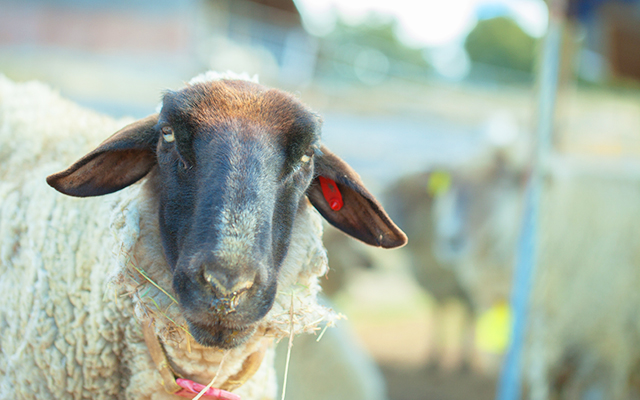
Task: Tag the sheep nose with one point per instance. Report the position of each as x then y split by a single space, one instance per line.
226 283
228 279
228 289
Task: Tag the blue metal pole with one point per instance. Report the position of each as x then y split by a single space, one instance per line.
510 385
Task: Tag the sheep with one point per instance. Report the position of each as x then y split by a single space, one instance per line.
212 252
583 334
464 225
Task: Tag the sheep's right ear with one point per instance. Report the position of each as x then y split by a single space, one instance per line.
121 160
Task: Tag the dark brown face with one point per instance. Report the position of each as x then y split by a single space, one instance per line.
230 189
230 163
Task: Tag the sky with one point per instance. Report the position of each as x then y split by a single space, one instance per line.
426 23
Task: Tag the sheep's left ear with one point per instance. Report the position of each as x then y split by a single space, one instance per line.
121 160
360 216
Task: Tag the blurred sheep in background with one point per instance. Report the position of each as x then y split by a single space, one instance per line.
584 336
463 225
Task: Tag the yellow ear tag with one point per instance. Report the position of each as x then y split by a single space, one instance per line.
439 183
493 329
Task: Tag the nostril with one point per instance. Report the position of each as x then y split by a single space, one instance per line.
212 280
226 305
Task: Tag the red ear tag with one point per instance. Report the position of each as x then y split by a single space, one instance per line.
331 193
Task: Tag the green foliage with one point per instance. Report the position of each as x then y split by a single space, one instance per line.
340 49
501 42
378 34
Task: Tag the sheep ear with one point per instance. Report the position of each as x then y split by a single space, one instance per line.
121 160
360 216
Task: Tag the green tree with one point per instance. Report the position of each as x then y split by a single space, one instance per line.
501 42
340 49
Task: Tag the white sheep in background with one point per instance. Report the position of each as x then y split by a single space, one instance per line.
220 223
584 325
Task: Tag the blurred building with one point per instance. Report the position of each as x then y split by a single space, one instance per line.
268 30
610 36
140 48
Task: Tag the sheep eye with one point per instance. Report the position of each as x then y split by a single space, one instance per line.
307 156
167 134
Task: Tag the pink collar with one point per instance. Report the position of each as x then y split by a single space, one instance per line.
190 389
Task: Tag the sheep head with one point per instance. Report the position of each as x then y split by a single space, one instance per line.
230 162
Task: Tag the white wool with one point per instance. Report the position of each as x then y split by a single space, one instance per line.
65 333
584 327
33 131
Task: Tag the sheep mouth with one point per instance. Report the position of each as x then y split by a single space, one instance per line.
220 336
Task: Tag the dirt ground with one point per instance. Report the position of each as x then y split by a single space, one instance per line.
432 384
394 322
